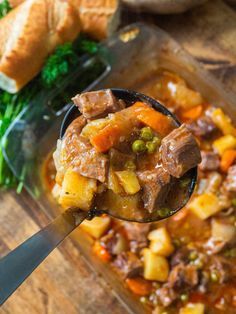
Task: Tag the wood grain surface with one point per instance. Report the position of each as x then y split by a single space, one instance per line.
64 283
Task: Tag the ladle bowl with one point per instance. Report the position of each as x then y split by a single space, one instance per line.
130 97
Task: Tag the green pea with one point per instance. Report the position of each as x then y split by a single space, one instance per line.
146 134
214 277
163 212
184 297
143 300
156 140
138 146
177 243
193 256
130 165
184 182
151 147
233 202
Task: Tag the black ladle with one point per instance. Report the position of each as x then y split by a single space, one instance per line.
21 262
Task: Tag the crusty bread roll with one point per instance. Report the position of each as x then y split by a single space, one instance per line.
28 34
99 18
34 28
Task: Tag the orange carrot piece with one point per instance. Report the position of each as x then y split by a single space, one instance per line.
139 286
193 113
156 120
227 159
106 138
182 214
101 252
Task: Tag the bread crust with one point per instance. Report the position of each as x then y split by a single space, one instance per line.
98 17
37 27
34 28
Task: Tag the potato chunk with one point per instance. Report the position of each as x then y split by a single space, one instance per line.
129 181
77 191
223 143
113 182
160 242
193 308
93 127
223 122
155 267
97 226
205 205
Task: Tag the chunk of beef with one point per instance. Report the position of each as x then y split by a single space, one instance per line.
76 126
179 152
155 185
183 277
82 156
129 264
114 242
137 235
97 104
166 295
210 161
180 256
203 127
230 182
118 160
224 268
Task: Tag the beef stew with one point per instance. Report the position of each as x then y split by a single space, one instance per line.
198 242
120 158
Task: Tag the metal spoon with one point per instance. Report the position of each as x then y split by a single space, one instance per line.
16 266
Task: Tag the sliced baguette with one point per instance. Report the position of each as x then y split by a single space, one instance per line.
28 34
99 18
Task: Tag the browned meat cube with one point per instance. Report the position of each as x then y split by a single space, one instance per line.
97 104
183 275
92 164
203 127
137 235
76 126
179 152
82 156
210 161
129 264
156 185
230 182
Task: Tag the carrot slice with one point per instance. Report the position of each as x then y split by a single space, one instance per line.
157 121
227 159
106 138
193 113
101 252
139 286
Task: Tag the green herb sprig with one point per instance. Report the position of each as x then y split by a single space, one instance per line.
4 8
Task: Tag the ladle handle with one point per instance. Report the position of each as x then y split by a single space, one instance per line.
16 266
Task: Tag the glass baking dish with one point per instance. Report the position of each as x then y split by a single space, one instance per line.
130 58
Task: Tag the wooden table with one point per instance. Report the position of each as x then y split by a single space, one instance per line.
64 283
